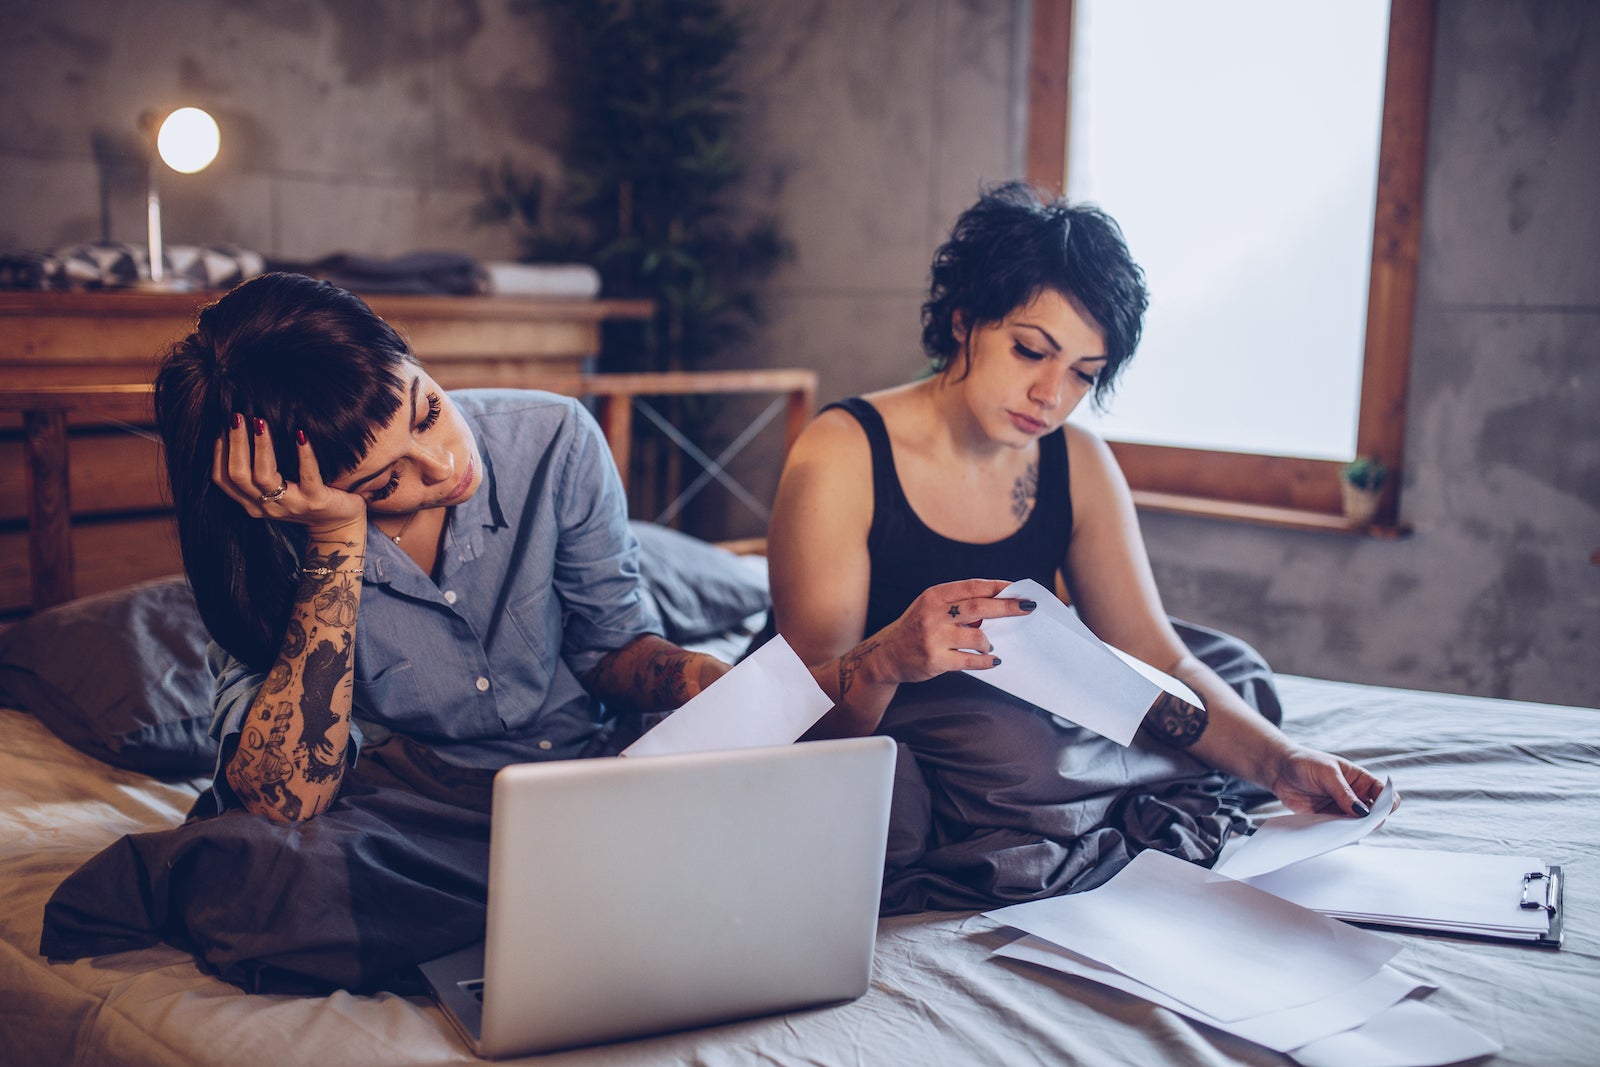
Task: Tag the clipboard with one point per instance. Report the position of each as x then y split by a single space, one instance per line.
1471 896
1547 892
1551 898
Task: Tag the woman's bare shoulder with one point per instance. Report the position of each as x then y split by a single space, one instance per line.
1098 487
833 435
837 440
1087 451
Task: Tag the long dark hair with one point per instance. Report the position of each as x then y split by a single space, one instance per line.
302 355
1012 245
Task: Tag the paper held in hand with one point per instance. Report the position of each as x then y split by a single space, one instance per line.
769 699
1052 660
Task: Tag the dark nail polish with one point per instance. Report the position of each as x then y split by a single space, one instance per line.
1027 605
1361 809
300 435
261 427
996 662
238 420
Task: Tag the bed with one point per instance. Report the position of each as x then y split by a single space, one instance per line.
1476 775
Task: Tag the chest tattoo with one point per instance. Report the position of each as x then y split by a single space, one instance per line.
1025 493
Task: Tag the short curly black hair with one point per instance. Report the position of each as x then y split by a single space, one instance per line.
1015 243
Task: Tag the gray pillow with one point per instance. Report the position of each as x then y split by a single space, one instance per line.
700 589
121 676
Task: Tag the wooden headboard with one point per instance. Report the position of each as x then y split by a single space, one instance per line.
121 529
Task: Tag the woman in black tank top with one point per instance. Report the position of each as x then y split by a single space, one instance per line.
903 514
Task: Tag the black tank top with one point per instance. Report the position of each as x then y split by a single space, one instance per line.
907 557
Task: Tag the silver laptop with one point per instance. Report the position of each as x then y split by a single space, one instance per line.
633 896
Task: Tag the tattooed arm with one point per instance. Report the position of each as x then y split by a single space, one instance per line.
820 572
1114 588
650 674
291 751
939 632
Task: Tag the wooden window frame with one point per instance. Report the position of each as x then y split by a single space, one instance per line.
1285 490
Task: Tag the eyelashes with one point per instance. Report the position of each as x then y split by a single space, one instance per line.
429 421
1027 353
386 490
435 407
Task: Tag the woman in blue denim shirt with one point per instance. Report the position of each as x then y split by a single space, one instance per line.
446 582
355 550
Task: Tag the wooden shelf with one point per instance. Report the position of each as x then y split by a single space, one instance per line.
1263 515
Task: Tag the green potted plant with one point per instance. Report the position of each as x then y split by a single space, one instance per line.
649 190
1361 483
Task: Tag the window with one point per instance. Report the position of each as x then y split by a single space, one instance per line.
1254 479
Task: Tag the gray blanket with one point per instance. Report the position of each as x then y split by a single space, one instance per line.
996 801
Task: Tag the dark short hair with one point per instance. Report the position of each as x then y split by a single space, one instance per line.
301 355
1014 244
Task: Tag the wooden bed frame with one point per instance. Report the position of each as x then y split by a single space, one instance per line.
132 511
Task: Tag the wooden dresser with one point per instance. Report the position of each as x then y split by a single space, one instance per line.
122 528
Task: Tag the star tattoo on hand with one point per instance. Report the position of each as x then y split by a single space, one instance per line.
954 611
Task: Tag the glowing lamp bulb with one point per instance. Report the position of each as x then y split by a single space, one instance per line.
188 140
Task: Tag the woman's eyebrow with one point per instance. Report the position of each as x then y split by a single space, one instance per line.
1056 345
416 383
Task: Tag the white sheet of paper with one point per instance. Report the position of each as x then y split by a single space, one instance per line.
769 699
1218 945
1410 1034
1052 660
1288 839
1467 891
1050 606
1050 666
1281 1031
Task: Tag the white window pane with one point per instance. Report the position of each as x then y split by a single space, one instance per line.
1237 145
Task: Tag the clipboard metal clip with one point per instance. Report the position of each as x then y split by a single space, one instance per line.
1547 885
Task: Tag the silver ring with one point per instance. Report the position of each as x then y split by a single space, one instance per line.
272 497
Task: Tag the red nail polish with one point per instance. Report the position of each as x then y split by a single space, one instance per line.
300 435
238 420
261 427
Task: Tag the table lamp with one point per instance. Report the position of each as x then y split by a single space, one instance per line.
187 141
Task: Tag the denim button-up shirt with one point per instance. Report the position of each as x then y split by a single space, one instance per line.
538 581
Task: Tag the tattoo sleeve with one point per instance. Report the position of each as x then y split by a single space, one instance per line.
648 674
1174 721
291 753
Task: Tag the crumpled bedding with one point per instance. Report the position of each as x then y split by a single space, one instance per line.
994 802
1476 774
997 802
387 878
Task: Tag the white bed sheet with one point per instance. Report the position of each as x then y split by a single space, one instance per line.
1475 774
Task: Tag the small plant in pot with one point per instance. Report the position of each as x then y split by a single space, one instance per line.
1362 482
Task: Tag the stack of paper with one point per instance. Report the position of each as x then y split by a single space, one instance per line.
1316 861
1236 958
1449 892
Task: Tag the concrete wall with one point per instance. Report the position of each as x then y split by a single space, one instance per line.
362 126
347 126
